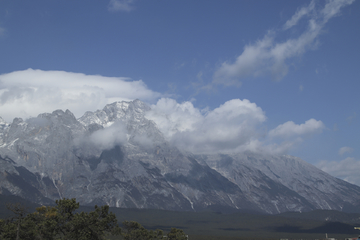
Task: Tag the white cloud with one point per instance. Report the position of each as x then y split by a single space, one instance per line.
290 129
236 126
304 11
347 169
344 150
267 56
101 139
233 124
289 135
332 8
108 137
121 5
172 117
30 92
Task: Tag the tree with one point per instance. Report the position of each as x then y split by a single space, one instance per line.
61 222
94 225
47 222
134 231
176 234
18 226
84 225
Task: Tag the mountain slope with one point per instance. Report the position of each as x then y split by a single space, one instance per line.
117 156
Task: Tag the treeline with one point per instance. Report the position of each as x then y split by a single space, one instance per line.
63 222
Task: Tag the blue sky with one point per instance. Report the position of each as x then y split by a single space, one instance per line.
272 76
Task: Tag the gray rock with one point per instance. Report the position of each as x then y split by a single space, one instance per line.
116 156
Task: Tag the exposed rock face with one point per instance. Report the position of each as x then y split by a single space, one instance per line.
117 156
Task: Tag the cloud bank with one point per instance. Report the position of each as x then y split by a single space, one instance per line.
269 57
31 92
235 126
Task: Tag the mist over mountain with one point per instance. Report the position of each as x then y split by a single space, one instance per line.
128 155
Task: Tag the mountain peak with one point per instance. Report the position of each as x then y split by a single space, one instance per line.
116 156
2 121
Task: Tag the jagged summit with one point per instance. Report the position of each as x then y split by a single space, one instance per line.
2 121
117 156
115 111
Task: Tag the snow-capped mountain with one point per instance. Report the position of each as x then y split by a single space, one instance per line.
117 156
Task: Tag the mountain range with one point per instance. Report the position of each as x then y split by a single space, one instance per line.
119 157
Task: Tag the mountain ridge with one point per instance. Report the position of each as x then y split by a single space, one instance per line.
117 156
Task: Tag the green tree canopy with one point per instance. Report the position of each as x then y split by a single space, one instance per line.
63 222
134 231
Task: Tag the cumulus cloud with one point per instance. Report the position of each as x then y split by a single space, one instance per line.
290 129
344 150
30 92
289 135
172 117
347 169
236 126
266 56
225 128
121 5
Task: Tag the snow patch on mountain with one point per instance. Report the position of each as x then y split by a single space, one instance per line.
119 156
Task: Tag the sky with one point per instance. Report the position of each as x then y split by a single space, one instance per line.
277 77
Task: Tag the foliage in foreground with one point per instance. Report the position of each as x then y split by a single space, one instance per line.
62 222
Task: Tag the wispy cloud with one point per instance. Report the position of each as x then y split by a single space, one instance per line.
302 12
2 31
351 117
105 138
269 57
121 5
344 150
30 92
301 88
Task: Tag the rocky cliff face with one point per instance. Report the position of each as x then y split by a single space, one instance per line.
116 156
